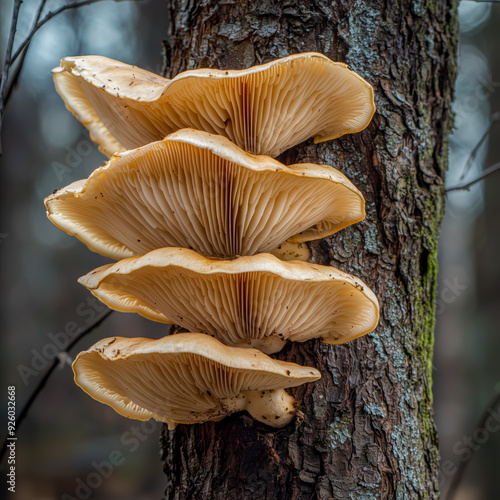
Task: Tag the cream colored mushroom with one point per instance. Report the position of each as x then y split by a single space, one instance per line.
292 251
264 109
200 191
255 301
188 378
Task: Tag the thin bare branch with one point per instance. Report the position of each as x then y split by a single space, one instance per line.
495 117
6 91
460 471
10 44
466 185
39 12
49 16
48 373
8 60
20 64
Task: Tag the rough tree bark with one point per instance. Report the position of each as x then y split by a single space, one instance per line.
368 430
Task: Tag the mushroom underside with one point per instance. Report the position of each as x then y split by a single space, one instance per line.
263 111
185 387
184 196
247 309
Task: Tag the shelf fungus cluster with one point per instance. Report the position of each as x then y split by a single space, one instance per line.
209 230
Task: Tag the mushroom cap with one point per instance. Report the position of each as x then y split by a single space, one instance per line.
187 378
200 191
265 109
257 301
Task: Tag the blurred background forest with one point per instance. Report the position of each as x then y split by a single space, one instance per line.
45 148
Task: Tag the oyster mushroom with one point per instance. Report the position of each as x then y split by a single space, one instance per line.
200 191
256 301
264 109
188 378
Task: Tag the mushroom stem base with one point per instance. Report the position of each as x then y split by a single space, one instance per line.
274 408
267 345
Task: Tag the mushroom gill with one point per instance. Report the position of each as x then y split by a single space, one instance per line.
188 378
265 109
256 301
200 191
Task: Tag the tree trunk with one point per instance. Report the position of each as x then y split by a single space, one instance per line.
368 430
